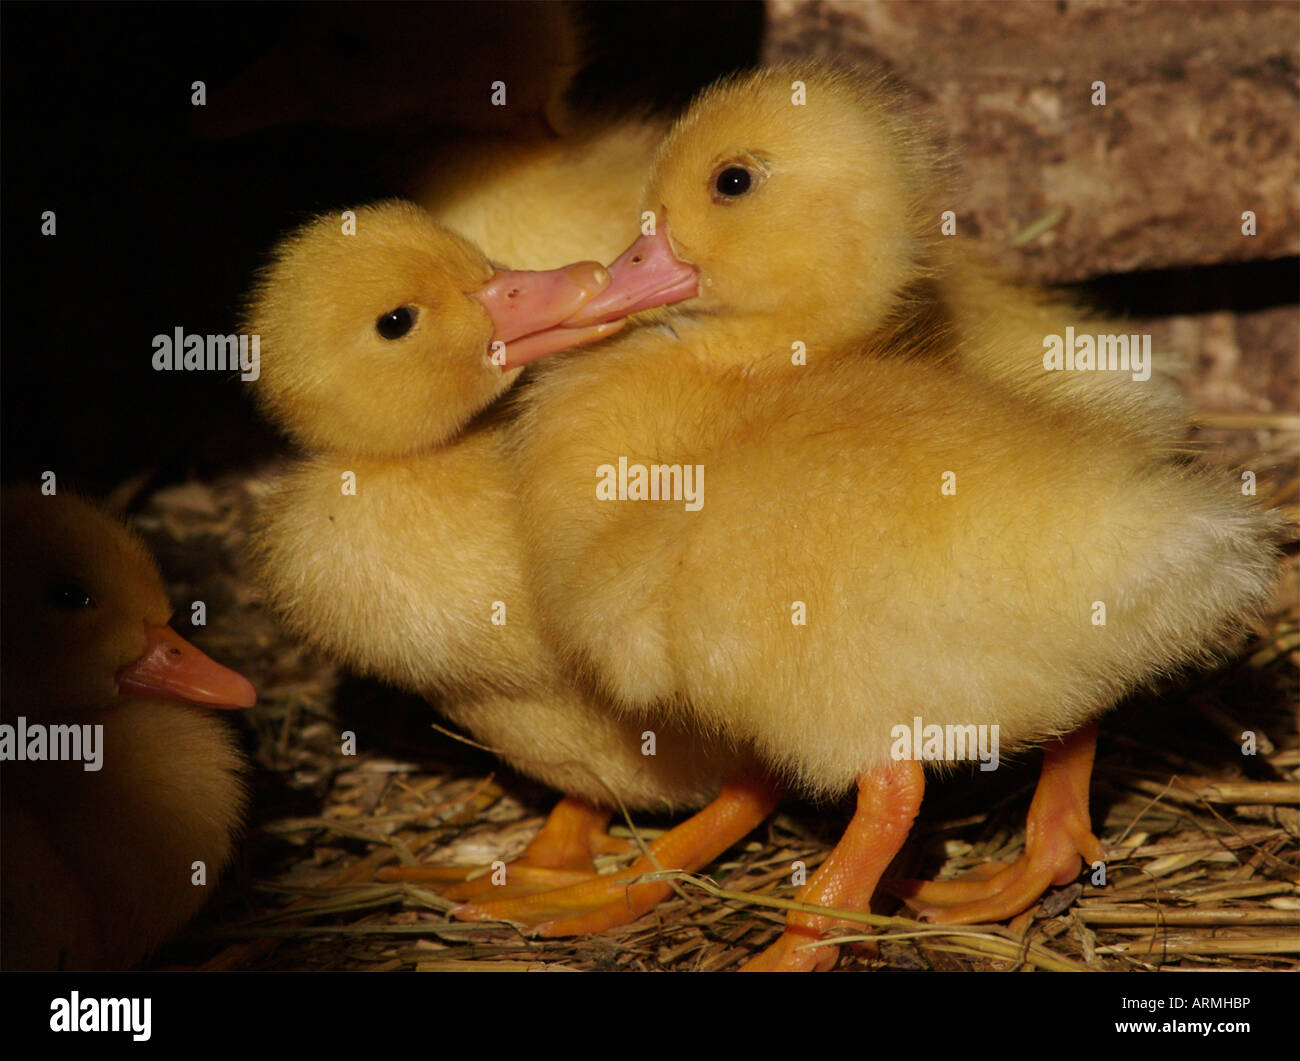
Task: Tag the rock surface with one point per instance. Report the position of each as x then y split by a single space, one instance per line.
1201 120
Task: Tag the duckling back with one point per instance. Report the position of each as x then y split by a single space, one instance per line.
1008 332
539 204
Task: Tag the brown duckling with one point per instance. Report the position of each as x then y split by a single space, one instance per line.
102 850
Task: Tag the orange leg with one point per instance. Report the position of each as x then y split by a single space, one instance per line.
603 902
888 800
560 855
1057 833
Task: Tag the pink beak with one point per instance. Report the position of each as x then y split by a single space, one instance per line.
527 309
540 313
174 669
645 275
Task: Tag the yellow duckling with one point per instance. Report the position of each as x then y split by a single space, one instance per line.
544 202
920 293
101 850
904 528
395 545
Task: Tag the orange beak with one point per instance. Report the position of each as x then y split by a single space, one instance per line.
174 669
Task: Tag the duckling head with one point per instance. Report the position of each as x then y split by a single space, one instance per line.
798 193
379 334
85 615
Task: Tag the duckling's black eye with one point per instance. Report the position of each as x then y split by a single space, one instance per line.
396 323
733 182
67 597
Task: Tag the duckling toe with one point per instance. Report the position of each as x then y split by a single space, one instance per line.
506 880
620 898
1054 860
979 883
560 856
797 950
579 909
1057 836
573 835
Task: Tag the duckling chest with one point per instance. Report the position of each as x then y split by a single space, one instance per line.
403 569
609 458
636 481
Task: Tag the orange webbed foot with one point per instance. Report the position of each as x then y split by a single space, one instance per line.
1057 835
560 856
602 902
